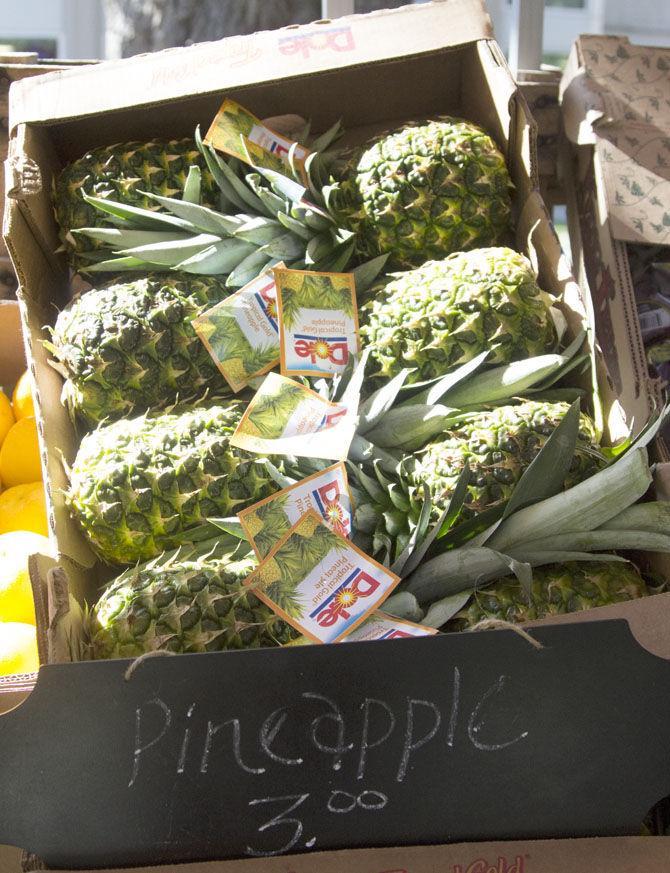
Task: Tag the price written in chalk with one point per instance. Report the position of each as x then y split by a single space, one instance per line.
311 736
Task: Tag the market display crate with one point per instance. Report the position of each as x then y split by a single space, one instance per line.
378 71
616 119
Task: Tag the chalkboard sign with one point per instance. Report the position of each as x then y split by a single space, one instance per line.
260 753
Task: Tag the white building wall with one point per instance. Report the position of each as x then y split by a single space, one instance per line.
76 25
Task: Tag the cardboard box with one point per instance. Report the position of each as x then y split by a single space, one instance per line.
605 855
617 120
376 70
444 47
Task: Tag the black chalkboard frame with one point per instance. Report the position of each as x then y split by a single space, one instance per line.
458 737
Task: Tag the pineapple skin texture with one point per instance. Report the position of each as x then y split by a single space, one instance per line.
121 172
137 485
427 190
557 589
129 347
444 313
499 445
191 603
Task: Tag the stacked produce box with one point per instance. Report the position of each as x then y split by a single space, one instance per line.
615 109
271 348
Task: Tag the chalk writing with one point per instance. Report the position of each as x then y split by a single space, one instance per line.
392 735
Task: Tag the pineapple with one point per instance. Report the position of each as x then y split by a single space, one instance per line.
426 190
444 313
498 444
122 172
556 589
137 486
129 347
192 600
260 225
423 191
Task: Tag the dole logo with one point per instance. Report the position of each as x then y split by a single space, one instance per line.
359 584
328 499
267 297
316 349
481 865
396 635
332 418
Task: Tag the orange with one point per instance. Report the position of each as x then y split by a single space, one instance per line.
16 593
20 454
6 416
22 397
18 648
23 507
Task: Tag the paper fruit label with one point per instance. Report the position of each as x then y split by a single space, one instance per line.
238 132
320 582
318 322
241 332
285 417
381 626
326 492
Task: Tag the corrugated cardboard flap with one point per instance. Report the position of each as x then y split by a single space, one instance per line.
614 96
613 855
268 56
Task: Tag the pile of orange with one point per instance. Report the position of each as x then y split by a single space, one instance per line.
23 527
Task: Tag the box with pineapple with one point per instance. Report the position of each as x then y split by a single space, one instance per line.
488 464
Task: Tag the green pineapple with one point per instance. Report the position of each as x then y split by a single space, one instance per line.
421 192
426 190
121 172
556 589
129 347
498 444
260 225
193 600
139 485
444 313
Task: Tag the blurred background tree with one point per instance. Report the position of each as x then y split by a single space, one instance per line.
135 26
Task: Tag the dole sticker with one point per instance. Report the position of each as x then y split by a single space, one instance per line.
381 626
238 132
241 332
319 582
285 417
318 322
326 492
